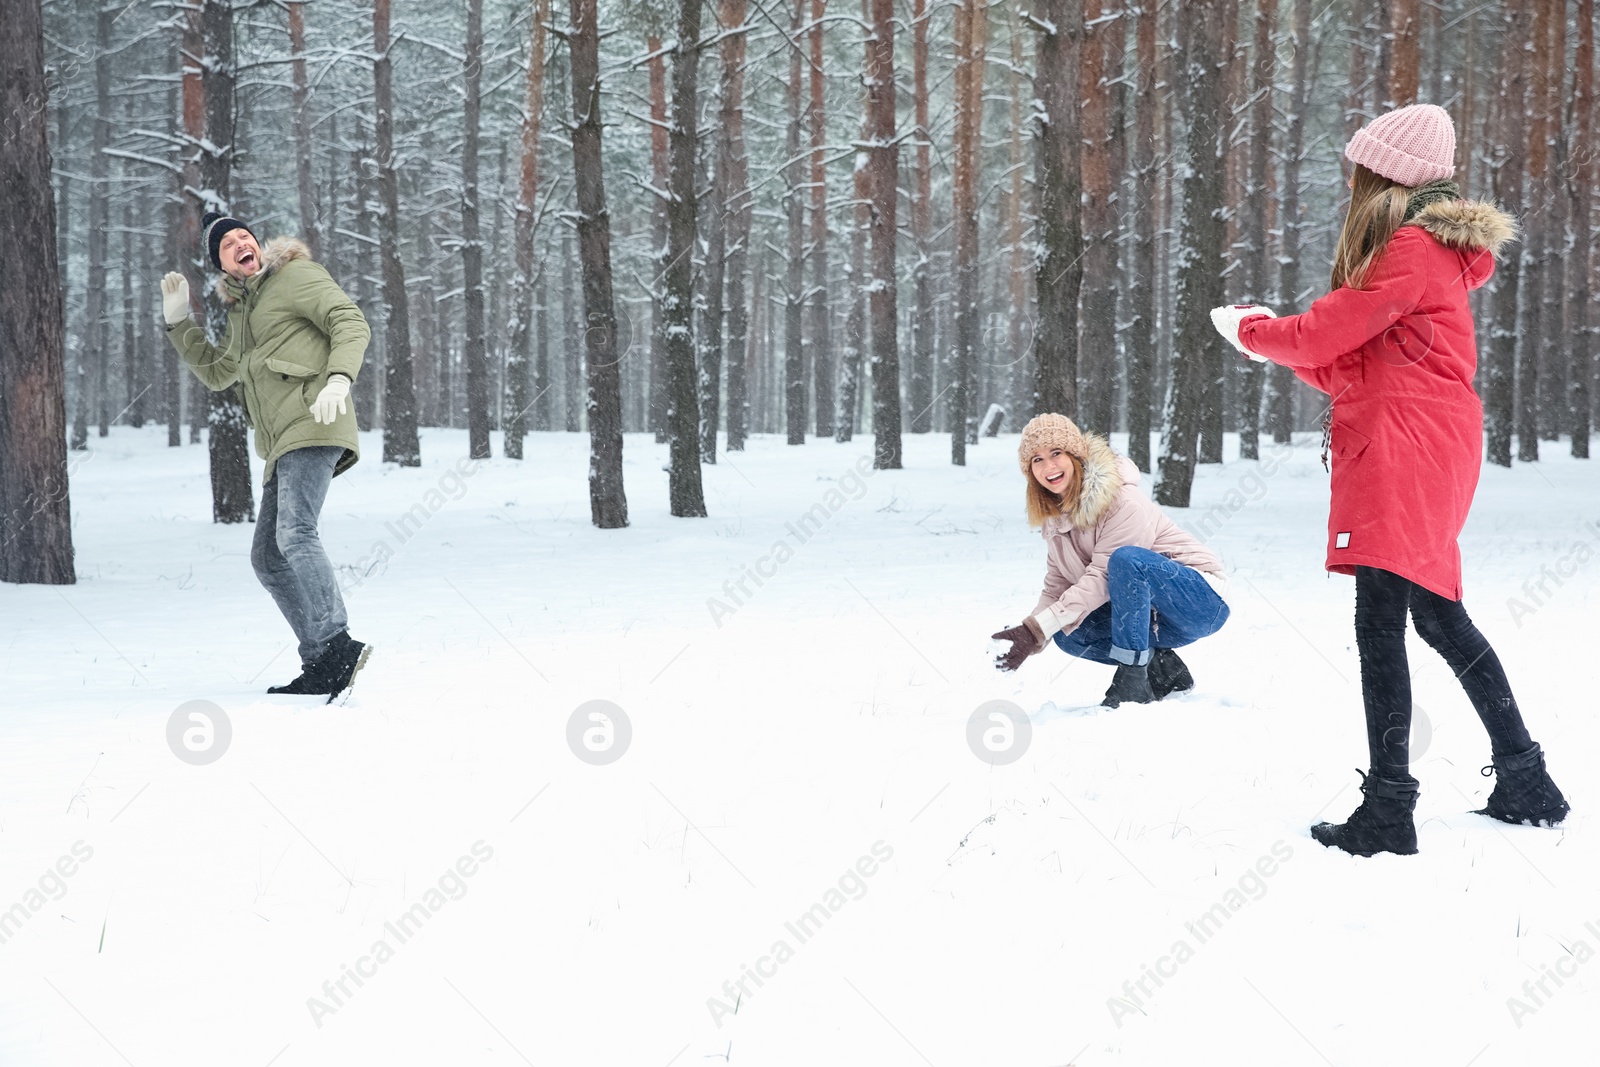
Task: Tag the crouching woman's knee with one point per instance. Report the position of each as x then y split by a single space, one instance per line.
1128 559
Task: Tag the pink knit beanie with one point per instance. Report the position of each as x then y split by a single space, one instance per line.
1411 145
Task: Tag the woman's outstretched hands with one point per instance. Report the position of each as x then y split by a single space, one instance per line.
1025 641
1227 319
174 298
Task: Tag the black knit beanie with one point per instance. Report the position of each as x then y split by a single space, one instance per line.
212 227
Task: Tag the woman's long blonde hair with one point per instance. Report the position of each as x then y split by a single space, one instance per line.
1043 504
1377 209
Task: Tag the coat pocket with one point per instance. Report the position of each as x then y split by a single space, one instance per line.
291 368
1346 442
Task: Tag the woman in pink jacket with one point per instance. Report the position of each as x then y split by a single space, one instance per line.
1393 345
1123 585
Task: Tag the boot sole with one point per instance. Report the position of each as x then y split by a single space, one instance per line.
1330 842
343 694
1545 819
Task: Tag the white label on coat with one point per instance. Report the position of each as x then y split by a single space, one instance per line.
1342 540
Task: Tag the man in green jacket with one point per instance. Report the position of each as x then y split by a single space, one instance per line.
294 342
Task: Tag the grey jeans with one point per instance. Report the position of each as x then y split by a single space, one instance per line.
287 553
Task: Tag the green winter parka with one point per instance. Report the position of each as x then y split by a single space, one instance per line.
289 327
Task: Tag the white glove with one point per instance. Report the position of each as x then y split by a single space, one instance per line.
1227 319
329 404
174 298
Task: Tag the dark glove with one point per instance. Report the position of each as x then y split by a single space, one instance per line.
1026 639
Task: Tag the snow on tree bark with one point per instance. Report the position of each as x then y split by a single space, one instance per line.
608 505
1059 270
476 353
35 516
970 34
820 335
794 367
1142 266
1200 247
232 494
1253 215
686 497
302 125
733 171
400 444
1507 166
1580 212
883 155
1098 300
523 230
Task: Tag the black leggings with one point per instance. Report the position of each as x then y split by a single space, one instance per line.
1382 599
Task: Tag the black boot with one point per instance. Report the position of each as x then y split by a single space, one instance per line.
1130 685
1381 824
1523 792
1168 674
341 662
309 682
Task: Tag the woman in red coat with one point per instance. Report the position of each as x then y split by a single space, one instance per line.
1393 346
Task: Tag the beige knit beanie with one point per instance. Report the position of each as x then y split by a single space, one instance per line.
1050 431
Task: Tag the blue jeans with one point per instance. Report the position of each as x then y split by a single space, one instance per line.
1155 603
287 553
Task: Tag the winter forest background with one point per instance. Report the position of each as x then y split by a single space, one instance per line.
798 256
1074 184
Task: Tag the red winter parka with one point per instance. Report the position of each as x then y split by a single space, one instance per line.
1396 358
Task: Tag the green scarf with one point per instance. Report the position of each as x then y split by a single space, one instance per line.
1430 193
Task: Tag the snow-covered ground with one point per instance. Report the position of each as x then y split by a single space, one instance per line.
431 875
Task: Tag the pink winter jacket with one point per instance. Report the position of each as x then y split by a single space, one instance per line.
1111 512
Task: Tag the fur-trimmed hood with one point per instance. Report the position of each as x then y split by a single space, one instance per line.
1468 225
274 254
1104 475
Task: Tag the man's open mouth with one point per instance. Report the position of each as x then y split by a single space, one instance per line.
244 259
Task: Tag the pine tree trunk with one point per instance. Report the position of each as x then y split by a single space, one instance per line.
361 263
1200 286
733 170
794 199
856 339
1536 195
523 227
1059 274
1580 211
883 173
921 396
686 497
1406 54
302 127
232 494
970 35
1018 327
709 355
134 388
1289 211
1097 325
1552 345
608 505
820 333
400 444
656 65
96 316
542 381
35 512
476 354
1142 269
1254 211
1507 164
573 386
